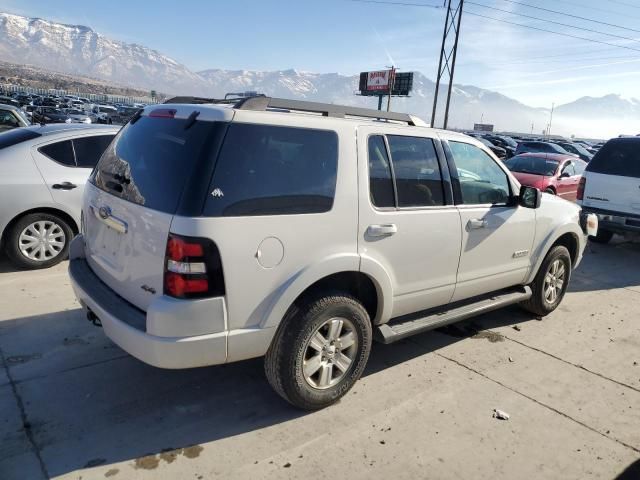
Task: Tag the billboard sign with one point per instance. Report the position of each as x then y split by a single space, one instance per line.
379 80
483 127
377 83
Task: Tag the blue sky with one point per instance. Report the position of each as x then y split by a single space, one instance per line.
344 36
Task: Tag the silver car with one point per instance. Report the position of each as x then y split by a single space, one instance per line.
43 173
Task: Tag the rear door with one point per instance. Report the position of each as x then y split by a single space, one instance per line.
613 177
66 163
134 192
407 221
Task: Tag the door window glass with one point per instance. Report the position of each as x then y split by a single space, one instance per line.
417 171
482 181
380 180
569 169
61 152
89 149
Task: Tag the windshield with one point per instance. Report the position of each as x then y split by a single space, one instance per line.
532 165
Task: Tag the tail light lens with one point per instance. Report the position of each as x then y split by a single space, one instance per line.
192 268
581 186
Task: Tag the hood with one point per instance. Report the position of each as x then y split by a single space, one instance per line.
532 180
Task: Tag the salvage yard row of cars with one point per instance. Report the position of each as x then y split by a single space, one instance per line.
69 109
191 239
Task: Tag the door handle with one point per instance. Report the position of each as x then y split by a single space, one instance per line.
64 186
477 223
382 230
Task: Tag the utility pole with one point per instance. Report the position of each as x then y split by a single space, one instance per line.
553 105
448 55
392 81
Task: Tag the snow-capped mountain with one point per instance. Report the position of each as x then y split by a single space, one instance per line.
79 50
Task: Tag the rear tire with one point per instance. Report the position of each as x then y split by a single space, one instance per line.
604 236
550 191
320 350
550 283
38 240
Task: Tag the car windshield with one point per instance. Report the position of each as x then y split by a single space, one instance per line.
15 136
533 165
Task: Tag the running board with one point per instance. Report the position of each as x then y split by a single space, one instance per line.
394 331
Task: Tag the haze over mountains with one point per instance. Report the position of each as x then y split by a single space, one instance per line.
79 50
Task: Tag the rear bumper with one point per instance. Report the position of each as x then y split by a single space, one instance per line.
617 222
127 327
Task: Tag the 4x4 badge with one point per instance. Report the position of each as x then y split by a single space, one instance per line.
217 193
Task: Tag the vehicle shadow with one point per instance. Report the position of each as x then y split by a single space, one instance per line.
5 265
614 265
87 403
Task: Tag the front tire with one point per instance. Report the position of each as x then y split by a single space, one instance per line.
38 240
550 191
320 351
551 282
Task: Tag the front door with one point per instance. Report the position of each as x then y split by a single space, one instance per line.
568 181
497 236
408 223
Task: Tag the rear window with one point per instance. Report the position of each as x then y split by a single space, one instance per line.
617 157
16 136
149 161
89 149
269 170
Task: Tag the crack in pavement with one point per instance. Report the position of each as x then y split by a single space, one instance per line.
549 407
23 416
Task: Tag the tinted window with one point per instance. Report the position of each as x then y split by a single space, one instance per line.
267 170
617 157
417 172
90 149
380 181
532 165
18 135
8 120
482 181
61 152
149 161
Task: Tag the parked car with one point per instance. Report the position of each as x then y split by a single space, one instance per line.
9 101
507 143
552 173
44 170
576 149
215 233
610 188
77 116
45 115
540 147
12 117
499 152
103 113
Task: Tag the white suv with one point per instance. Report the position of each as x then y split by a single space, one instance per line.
214 233
610 188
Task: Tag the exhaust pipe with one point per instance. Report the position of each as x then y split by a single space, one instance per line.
93 318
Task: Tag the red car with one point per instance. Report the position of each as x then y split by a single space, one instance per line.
553 173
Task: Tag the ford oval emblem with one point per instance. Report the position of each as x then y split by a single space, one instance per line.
104 212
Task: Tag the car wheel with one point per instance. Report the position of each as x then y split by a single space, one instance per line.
320 351
550 191
603 236
551 282
38 240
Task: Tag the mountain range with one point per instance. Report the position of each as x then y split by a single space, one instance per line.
79 50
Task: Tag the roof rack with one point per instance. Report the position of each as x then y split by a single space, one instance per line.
262 103
326 109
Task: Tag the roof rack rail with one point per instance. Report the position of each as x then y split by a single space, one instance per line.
200 100
326 109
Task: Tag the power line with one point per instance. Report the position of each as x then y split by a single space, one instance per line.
552 21
596 9
624 3
404 4
554 32
571 15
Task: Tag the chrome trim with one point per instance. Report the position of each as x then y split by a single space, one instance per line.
105 216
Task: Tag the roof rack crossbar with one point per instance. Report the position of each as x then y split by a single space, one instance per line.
326 109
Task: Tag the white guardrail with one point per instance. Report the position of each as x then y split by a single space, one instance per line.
93 97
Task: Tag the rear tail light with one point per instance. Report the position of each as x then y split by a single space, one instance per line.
163 113
581 186
192 268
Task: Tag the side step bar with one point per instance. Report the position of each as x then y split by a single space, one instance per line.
394 331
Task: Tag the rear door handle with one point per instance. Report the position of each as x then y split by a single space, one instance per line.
382 230
477 223
64 186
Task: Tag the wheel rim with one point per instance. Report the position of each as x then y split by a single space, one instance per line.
329 353
42 241
554 281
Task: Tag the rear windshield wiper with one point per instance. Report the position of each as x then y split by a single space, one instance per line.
191 119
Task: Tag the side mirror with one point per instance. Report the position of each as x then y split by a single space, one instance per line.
530 197
565 175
